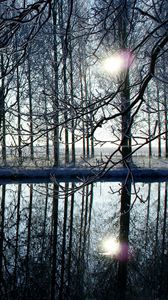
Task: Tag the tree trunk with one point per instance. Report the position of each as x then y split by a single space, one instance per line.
82 102
72 102
30 105
91 115
125 94
165 110
19 116
47 149
149 123
64 70
87 115
55 98
166 122
2 112
126 128
159 123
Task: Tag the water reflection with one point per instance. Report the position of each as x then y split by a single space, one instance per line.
50 241
124 239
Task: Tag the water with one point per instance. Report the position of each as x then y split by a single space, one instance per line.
103 241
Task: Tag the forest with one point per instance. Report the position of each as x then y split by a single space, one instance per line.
82 76
84 149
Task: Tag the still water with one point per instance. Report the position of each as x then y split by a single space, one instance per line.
107 240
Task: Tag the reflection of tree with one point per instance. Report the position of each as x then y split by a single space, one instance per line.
147 272
123 238
148 215
2 218
24 272
46 253
63 246
158 215
71 223
111 273
17 235
164 254
44 224
139 271
85 219
54 240
28 243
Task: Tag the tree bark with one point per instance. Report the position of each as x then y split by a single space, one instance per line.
56 89
30 106
125 93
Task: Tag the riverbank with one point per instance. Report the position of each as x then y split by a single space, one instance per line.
9 175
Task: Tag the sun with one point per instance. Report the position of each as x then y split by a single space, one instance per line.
110 247
117 62
113 64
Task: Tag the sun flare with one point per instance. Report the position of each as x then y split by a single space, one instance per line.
117 62
113 64
110 246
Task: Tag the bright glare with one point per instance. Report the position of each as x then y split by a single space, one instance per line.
113 64
117 62
110 246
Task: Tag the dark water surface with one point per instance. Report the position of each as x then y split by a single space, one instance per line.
104 241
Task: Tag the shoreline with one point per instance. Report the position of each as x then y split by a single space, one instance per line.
14 175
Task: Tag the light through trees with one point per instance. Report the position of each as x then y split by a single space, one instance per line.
118 62
58 104
110 247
